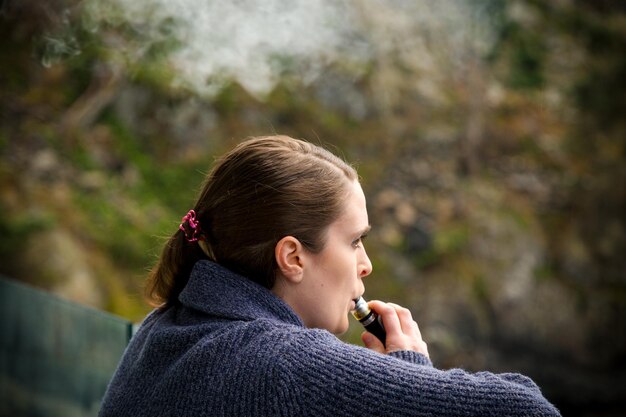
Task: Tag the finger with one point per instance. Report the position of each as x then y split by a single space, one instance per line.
371 342
389 316
416 329
406 319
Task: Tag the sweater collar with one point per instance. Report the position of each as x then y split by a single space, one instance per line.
217 291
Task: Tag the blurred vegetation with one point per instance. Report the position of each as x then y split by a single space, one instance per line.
496 184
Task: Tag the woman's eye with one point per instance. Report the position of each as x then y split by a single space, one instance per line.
357 243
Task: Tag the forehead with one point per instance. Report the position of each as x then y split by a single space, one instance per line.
354 214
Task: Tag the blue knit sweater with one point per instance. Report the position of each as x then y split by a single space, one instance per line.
232 348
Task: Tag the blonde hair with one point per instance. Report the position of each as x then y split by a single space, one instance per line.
262 190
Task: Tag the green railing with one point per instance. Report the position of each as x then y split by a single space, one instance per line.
56 357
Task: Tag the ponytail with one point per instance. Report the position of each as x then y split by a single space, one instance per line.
171 273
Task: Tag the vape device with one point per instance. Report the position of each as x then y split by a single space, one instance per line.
369 319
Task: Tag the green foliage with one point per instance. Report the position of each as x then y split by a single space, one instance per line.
449 240
117 232
125 217
524 53
160 180
16 230
544 272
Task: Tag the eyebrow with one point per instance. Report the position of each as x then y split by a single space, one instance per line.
366 230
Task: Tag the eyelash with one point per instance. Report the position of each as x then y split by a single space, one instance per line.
357 242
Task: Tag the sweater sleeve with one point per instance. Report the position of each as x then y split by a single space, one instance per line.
320 375
412 356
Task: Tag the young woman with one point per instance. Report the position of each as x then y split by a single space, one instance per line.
251 291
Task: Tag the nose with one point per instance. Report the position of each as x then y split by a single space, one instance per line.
365 265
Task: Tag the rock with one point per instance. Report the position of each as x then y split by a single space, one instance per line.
57 256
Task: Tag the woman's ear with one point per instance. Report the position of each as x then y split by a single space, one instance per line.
288 253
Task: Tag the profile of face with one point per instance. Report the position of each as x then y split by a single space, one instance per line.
321 287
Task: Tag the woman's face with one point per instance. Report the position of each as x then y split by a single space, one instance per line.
333 278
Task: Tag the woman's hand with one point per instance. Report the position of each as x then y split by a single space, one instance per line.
402 331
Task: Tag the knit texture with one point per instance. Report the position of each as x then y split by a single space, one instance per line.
233 348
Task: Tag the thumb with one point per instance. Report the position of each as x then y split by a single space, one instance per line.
371 342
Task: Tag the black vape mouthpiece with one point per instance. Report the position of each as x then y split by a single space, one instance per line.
369 319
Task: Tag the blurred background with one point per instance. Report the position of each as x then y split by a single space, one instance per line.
489 134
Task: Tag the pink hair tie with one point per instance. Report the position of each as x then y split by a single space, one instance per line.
194 225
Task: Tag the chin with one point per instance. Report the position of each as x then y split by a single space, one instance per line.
341 328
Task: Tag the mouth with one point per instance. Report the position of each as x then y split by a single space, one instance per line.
353 302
